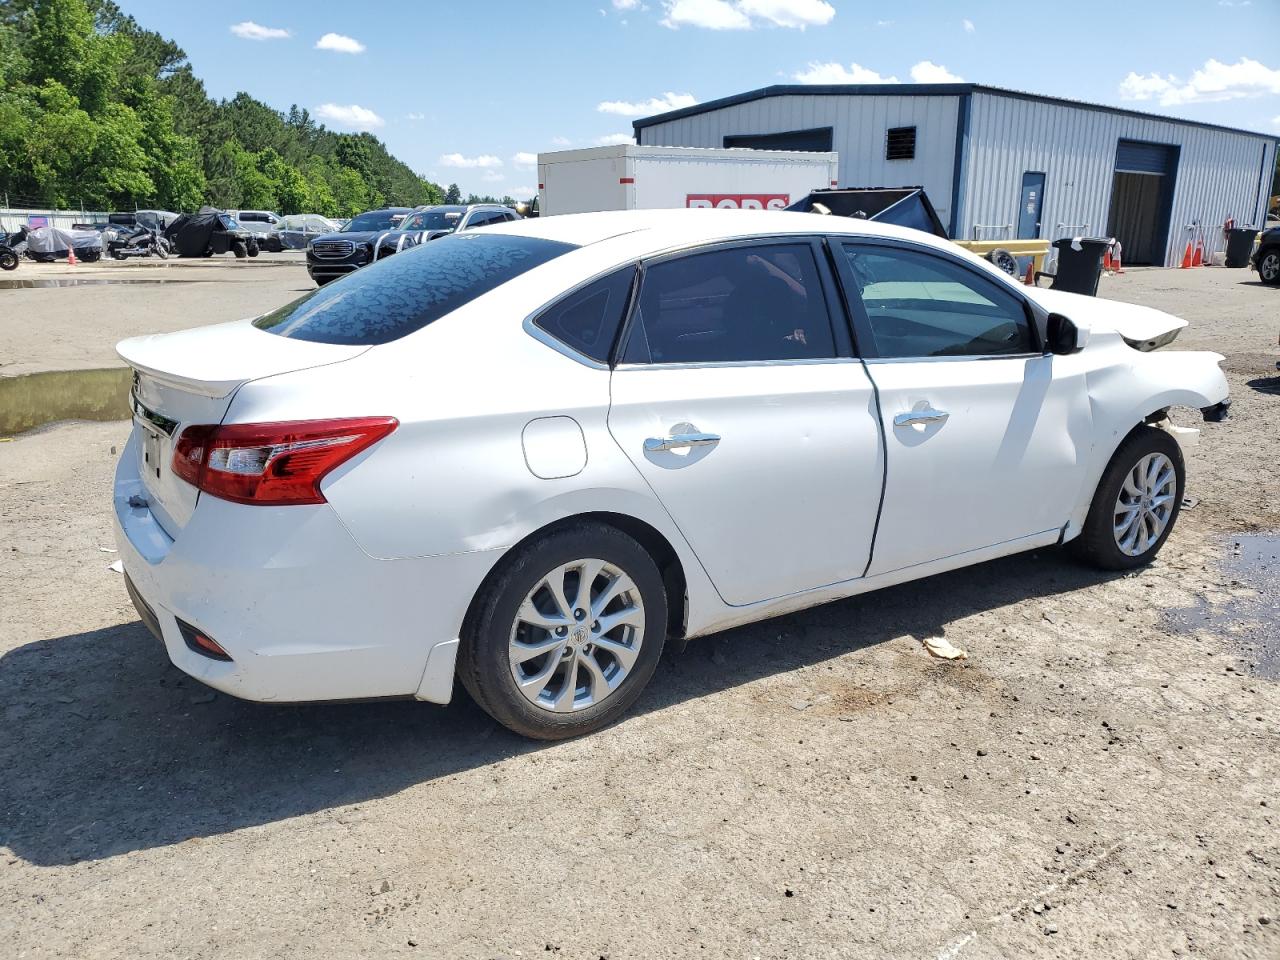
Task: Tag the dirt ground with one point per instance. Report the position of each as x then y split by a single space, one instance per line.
1099 779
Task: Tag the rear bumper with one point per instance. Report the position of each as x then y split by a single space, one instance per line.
304 613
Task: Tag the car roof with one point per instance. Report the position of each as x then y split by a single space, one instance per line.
651 231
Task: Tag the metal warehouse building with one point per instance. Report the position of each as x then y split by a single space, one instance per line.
1002 164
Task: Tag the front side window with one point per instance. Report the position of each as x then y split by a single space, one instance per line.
751 303
401 294
920 305
588 319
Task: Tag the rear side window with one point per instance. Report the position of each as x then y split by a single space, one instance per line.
588 319
404 293
750 303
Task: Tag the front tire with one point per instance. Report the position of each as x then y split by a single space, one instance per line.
1136 503
1269 267
8 260
240 249
566 633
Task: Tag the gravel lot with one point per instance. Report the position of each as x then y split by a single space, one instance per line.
1099 779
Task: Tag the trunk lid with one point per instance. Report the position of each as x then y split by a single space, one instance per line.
190 377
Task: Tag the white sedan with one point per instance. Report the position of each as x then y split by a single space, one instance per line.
528 455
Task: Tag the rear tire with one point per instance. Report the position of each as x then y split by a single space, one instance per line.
572 680
1136 504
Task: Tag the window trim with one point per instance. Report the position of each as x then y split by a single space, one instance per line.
864 336
841 341
548 339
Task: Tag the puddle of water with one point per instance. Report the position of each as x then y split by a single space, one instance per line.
25 283
38 398
1252 562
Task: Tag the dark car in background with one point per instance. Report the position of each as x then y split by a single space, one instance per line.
1266 256
371 235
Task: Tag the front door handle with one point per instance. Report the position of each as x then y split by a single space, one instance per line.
679 441
924 415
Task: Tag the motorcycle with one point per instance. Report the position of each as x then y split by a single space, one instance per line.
11 247
138 241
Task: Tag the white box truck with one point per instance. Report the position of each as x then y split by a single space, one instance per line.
632 177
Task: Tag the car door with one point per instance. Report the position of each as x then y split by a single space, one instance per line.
986 434
737 398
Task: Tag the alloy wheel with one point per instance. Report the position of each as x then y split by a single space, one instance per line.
1145 504
576 635
1269 269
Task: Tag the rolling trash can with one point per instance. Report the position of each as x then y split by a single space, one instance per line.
1079 264
1240 245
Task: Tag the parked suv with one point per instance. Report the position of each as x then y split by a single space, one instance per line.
444 219
371 235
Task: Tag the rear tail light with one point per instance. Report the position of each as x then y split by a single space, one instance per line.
272 463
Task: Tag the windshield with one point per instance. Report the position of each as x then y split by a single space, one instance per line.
432 220
227 222
396 296
376 220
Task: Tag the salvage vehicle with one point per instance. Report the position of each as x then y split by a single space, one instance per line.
47 244
11 247
297 230
1266 256
366 239
208 232
529 455
137 241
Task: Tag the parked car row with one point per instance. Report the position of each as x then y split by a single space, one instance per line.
381 233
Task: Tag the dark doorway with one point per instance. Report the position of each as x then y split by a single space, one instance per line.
1032 202
816 138
1141 200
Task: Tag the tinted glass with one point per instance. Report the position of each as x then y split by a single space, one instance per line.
484 218
377 220
925 306
432 220
758 302
395 296
588 320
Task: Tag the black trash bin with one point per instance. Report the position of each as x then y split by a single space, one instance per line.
1079 269
1240 245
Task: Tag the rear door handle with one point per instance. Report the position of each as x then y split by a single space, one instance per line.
926 415
680 440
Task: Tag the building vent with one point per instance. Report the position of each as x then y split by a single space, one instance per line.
900 143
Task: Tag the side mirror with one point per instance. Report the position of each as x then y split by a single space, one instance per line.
1063 336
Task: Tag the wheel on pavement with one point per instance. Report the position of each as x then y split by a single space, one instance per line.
8 260
1269 267
566 633
1136 503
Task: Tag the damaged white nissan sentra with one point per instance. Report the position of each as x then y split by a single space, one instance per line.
531 454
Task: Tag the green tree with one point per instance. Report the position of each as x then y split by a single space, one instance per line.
453 194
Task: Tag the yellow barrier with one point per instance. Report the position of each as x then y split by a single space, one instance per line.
1037 249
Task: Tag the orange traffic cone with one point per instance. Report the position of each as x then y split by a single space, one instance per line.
1030 278
1116 263
1198 259
71 257
1186 257
1106 261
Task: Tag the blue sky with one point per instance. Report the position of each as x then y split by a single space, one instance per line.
467 92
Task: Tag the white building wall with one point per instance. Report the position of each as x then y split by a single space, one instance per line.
1217 177
858 123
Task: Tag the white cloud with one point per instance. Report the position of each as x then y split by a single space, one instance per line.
484 160
415 116
626 4
493 176
746 14
642 108
612 139
524 161
525 192
796 14
339 43
248 30
926 71
352 116
1213 82
561 141
1275 121
884 23
838 73
968 26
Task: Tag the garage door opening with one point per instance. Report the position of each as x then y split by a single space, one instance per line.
1142 199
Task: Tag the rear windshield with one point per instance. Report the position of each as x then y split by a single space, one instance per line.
377 220
405 292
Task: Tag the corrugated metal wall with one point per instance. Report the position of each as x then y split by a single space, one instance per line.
858 123
1218 172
